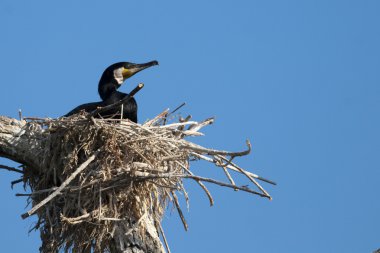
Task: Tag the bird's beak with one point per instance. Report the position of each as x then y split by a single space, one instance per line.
135 68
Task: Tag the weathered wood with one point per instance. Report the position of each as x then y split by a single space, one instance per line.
20 142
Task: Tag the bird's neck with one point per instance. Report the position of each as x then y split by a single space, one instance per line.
106 90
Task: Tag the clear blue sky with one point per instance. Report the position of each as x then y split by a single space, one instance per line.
300 79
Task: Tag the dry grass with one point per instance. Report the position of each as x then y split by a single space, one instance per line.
96 172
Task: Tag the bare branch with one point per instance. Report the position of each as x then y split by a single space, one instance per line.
11 169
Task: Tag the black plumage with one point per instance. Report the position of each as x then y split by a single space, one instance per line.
111 79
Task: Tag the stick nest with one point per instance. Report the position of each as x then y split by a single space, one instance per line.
96 173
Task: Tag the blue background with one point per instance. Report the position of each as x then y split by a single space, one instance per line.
300 79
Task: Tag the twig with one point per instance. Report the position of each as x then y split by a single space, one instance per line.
228 176
175 125
184 120
36 192
206 191
182 133
20 114
179 210
246 189
16 182
164 237
224 166
35 118
176 109
76 220
158 117
122 111
199 125
231 167
247 175
60 188
11 169
208 151
251 174
171 175
266 180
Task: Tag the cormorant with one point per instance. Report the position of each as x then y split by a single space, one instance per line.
111 79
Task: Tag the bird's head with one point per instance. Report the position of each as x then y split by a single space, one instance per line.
121 71
114 76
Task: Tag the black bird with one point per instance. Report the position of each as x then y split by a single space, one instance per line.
112 78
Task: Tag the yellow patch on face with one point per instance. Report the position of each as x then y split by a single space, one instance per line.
126 73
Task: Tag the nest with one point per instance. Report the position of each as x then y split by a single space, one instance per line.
97 172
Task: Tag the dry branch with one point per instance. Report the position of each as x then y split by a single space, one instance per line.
11 169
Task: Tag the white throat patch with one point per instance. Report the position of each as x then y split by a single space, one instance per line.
118 74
